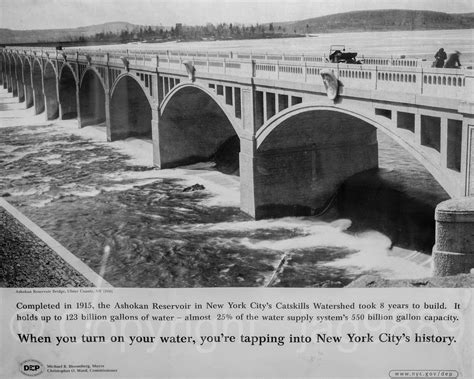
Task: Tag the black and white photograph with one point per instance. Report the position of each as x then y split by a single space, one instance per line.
222 146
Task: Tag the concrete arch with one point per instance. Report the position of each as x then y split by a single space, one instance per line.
276 121
211 94
50 87
194 126
3 65
2 69
67 91
334 142
67 65
95 72
19 77
91 98
29 98
130 109
8 84
38 93
13 85
139 82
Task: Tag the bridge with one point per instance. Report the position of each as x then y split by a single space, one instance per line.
298 141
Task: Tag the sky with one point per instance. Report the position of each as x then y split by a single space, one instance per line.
49 14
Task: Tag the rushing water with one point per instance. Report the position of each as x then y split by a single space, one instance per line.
89 194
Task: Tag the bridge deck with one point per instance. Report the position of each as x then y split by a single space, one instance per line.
381 74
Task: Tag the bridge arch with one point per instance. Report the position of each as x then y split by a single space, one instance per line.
38 92
13 88
91 98
6 73
235 124
67 65
51 90
19 77
307 151
195 126
29 100
3 60
130 109
67 88
2 69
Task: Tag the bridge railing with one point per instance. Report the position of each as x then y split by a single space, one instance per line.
436 82
71 55
115 58
373 60
232 67
445 83
144 60
394 77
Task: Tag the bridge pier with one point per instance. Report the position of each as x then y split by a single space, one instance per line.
38 101
453 252
14 86
78 105
21 90
50 89
247 165
28 96
9 77
155 134
107 116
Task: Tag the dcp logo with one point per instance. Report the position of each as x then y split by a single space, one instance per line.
31 367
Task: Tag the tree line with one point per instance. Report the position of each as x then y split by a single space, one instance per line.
188 33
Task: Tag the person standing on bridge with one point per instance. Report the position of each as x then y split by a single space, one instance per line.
453 60
440 57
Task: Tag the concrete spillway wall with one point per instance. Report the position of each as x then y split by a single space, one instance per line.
32 258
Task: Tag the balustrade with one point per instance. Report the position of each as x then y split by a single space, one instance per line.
376 73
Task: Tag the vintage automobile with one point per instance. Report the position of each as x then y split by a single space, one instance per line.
338 54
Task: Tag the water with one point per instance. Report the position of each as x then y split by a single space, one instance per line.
418 44
89 194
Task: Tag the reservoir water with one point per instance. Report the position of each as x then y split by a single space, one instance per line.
418 44
89 194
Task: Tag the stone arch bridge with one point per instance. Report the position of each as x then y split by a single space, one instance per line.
296 144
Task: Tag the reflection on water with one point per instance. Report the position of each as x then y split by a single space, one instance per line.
88 195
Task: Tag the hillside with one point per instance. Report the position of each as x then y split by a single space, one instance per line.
51 35
374 20
378 20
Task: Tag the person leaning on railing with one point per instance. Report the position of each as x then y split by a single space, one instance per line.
453 60
440 57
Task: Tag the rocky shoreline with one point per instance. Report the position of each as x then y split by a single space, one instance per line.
27 261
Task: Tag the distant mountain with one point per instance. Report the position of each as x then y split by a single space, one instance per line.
374 20
8 36
378 20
